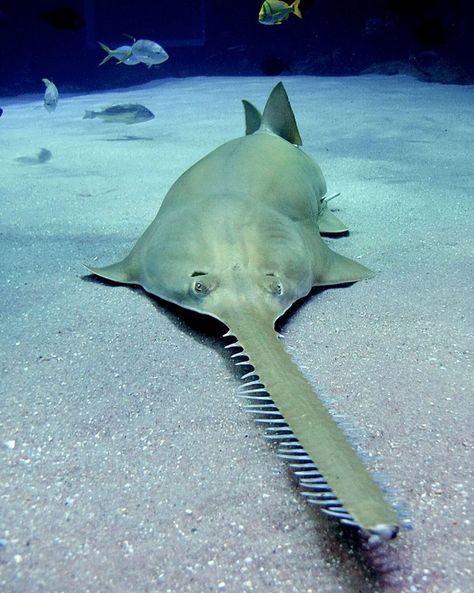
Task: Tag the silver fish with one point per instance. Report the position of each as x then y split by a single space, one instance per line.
148 52
51 95
127 113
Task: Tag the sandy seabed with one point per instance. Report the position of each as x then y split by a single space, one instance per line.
127 463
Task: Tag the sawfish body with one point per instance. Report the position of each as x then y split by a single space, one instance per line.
238 237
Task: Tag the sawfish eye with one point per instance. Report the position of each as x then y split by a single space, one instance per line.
200 287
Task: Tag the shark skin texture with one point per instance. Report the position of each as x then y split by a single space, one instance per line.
238 237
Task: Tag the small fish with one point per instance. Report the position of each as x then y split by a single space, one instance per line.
127 113
143 51
123 54
51 95
274 12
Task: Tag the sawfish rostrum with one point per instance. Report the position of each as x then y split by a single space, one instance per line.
238 237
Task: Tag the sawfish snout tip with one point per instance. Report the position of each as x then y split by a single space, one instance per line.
380 533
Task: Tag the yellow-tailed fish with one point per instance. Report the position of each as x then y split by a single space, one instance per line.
274 12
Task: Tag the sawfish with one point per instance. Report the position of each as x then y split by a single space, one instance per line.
238 237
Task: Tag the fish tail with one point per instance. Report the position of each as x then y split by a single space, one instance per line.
88 114
106 49
296 10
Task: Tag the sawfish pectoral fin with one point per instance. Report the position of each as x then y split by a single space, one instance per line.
119 272
330 224
339 269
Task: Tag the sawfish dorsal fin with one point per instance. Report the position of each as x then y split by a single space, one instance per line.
278 116
253 117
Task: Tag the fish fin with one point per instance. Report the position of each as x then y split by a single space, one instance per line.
278 117
339 269
46 81
296 10
106 49
118 272
253 117
88 114
330 224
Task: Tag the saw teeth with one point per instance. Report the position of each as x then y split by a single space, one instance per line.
337 507
276 436
295 457
249 374
258 407
319 502
328 496
249 384
322 502
256 390
311 481
316 490
293 447
263 398
272 421
339 514
275 413
290 448
317 487
233 345
308 472
323 494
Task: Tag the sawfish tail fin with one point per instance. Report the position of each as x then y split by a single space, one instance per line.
277 118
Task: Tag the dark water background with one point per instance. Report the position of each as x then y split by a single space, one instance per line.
57 39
